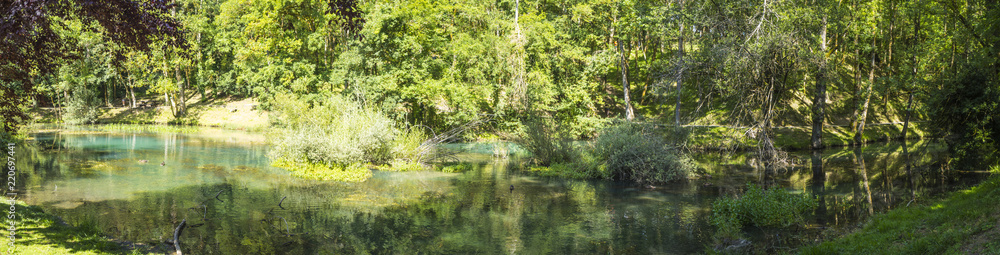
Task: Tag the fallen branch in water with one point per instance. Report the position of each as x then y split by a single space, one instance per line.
282 200
177 236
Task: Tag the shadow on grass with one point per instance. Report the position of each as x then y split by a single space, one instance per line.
42 233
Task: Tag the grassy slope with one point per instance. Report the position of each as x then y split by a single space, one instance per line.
967 222
42 233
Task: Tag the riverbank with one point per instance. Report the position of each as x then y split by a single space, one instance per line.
966 222
39 232
797 138
242 114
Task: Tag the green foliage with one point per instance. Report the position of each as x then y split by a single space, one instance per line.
634 152
82 107
969 110
339 134
542 137
759 207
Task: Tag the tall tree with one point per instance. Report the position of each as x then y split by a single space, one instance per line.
819 102
29 46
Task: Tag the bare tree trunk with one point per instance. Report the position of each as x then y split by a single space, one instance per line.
629 115
819 104
858 137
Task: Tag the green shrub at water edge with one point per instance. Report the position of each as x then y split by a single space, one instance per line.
333 132
633 152
82 107
759 207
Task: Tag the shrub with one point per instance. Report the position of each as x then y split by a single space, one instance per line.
633 152
82 107
339 134
546 144
759 207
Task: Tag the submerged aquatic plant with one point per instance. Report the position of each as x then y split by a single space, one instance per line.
759 207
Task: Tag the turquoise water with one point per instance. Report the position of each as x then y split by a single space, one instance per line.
221 183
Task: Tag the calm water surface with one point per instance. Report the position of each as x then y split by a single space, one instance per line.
99 180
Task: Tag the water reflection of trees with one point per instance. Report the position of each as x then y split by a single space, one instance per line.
480 216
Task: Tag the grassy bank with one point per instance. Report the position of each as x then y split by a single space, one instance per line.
41 233
966 222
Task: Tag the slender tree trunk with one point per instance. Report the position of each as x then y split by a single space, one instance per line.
624 66
680 74
864 175
819 104
181 99
906 120
858 137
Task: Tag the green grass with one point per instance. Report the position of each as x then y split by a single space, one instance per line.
964 223
41 233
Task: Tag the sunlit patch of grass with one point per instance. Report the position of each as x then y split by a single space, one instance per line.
42 233
308 170
964 223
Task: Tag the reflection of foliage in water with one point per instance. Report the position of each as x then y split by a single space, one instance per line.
485 217
472 212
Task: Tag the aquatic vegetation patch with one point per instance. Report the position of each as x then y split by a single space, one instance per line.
455 167
212 168
759 207
309 170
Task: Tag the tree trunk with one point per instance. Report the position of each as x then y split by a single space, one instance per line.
864 175
680 74
624 66
819 104
180 92
858 137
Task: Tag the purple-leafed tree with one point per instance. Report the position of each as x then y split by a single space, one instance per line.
29 47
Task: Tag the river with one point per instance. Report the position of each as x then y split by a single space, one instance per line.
221 183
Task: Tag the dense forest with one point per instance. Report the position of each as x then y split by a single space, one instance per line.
642 92
414 69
